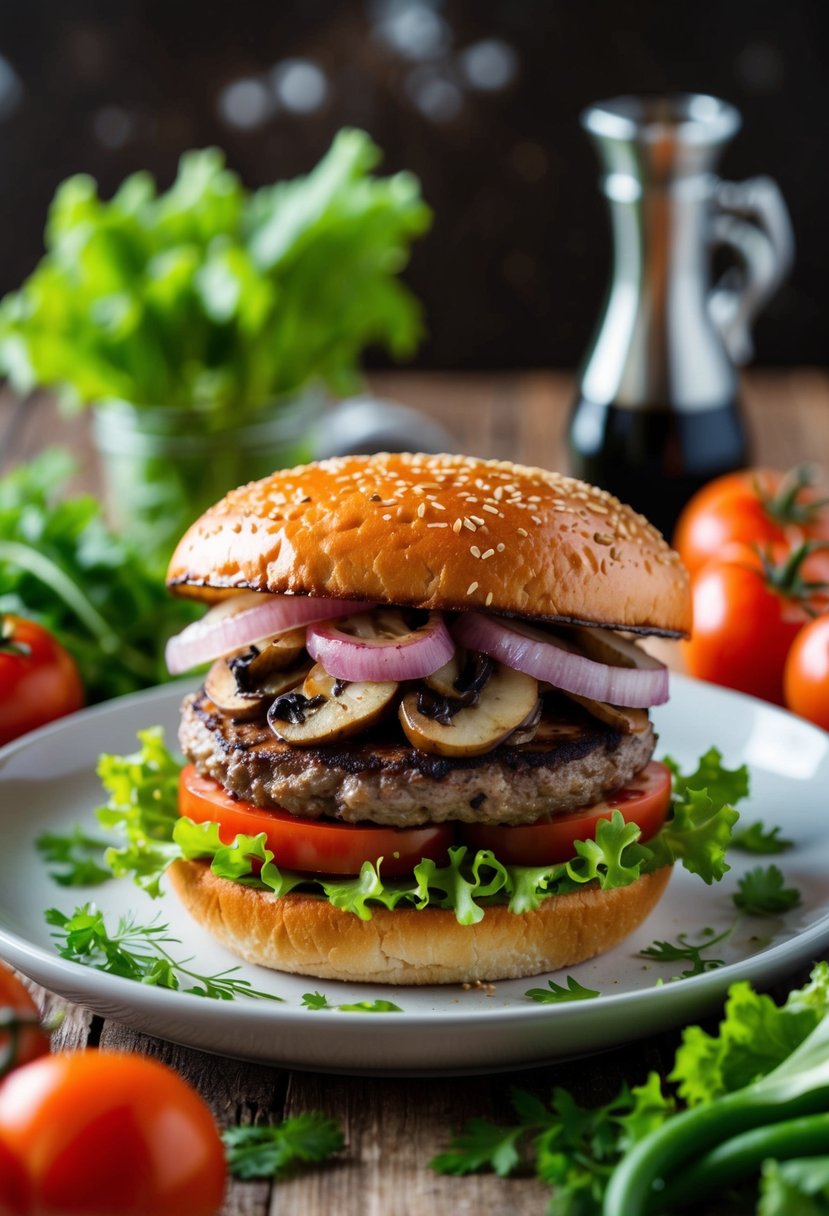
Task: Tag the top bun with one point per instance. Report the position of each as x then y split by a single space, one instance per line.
448 532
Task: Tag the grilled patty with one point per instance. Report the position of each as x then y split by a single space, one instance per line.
380 777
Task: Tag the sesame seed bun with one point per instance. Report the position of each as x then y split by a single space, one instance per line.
439 532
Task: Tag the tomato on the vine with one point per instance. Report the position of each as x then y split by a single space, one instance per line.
111 1134
21 1037
306 844
39 680
757 506
748 609
806 674
645 800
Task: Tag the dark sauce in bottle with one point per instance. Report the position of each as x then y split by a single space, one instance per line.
655 458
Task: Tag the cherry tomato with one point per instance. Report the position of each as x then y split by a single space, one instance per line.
38 678
806 674
746 617
106 1134
307 844
644 801
757 506
23 1040
15 1188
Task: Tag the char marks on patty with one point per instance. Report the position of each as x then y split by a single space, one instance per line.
573 761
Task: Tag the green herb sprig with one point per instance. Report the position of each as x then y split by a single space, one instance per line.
273 1150
139 952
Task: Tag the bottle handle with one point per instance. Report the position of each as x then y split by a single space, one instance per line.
751 218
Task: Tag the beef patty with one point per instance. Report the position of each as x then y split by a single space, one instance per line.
573 761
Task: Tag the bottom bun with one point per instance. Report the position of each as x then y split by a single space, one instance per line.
307 935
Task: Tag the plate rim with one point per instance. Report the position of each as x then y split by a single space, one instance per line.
795 950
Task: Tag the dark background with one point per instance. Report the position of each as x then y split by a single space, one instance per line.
479 97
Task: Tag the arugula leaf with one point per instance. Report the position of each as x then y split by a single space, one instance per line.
762 892
756 838
211 298
682 950
138 952
270 1151
81 856
60 565
557 994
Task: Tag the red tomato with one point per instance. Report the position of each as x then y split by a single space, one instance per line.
24 1041
744 624
307 844
757 506
644 801
806 674
38 678
15 1188
105 1134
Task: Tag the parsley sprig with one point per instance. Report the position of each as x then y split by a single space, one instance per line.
272 1150
79 856
683 950
558 994
139 952
763 892
318 1000
757 838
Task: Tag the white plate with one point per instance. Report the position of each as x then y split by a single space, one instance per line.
47 781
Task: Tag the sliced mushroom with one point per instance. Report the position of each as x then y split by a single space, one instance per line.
328 710
605 646
626 721
526 732
277 653
222 689
462 678
505 702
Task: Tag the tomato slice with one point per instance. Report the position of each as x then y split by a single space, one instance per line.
310 845
645 802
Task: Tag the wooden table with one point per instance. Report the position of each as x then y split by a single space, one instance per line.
393 1127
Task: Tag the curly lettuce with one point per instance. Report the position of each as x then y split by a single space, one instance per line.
143 810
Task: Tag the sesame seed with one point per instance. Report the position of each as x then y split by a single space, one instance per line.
489 553
501 547
421 510
480 522
472 587
492 510
438 505
488 598
536 519
437 525
386 517
457 525
475 551
523 532
467 523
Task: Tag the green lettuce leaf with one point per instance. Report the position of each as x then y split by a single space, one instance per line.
143 809
754 1036
214 298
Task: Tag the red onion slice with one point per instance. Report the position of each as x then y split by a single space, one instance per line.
539 654
409 656
247 618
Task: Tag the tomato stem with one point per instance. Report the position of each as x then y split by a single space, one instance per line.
8 643
787 505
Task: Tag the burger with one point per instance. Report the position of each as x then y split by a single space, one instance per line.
422 752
